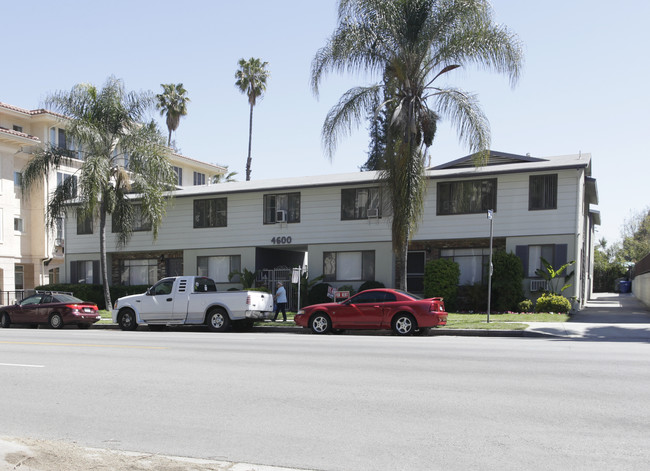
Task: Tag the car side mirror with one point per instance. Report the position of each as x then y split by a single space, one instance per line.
148 293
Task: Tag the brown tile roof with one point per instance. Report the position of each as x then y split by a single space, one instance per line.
30 112
19 134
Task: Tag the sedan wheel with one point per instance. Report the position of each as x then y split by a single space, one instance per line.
56 321
5 321
320 323
404 324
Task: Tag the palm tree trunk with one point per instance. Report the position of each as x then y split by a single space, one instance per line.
250 140
102 256
169 139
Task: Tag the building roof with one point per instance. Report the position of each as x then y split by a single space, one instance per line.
508 163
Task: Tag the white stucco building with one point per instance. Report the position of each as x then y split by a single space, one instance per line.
340 226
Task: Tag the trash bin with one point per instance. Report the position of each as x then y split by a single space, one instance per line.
624 286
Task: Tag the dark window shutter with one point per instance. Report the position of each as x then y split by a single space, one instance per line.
73 273
96 272
560 255
522 252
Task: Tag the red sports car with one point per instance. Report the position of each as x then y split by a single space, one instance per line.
55 309
403 312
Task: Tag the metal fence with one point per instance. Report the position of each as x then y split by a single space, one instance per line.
8 298
268 278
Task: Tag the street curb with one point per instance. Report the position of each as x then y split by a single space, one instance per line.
432 332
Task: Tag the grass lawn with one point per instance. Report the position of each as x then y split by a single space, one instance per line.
509 321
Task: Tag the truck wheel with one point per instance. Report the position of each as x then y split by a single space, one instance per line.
127 320
218 320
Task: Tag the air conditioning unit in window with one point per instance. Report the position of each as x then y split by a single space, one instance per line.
281 215
373 212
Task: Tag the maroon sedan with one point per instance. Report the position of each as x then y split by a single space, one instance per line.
403 312
52 308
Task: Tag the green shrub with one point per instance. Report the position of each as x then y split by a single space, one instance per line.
525 306
507 280
552 303
441 280
318 294
471 298
370 285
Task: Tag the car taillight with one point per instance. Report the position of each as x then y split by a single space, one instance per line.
248 299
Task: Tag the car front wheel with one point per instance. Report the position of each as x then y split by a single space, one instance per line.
127 320
404 324
5 321
56 321
320 323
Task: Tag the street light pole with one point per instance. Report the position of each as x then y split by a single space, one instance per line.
489 216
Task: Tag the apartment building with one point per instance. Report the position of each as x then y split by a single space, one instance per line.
30 253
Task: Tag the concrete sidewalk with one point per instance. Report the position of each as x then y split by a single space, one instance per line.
608 316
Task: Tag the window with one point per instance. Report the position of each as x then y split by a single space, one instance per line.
355 203
467 197
18 225
53 275
19 277
18 128
199 178
162 287
415 271
58 138
210 213
84 224
60 231
531 257
218 267
18 179
179 175
287 202
542 192
139 223
69 182
84 272
535 255
349 266
139 272
473 264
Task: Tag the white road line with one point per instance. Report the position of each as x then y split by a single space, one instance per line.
24 366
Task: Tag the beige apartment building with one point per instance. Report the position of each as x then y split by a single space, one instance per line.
30 253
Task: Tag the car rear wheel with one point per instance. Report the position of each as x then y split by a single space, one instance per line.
404 324
5 320
218 320
127 320
56 321
320 323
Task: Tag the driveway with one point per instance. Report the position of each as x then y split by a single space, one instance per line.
608 316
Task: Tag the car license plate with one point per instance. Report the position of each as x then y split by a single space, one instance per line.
87 309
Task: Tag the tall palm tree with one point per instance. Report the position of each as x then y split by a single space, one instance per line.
107 124
173 103
412 45
251 80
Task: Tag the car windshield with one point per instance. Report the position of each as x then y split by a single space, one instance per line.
65 298
34 299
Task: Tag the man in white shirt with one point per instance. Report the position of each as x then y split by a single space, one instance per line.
280 301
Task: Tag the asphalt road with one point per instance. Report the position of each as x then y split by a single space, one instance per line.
353 402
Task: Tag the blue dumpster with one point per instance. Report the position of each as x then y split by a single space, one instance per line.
624 286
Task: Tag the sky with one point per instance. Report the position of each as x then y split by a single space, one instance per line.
584 86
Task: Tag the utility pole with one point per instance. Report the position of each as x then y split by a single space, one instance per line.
489 216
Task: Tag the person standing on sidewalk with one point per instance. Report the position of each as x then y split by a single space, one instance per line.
280 301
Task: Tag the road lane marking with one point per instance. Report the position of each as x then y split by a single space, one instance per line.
56 344
24 366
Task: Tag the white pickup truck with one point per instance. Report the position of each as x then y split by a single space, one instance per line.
191 300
